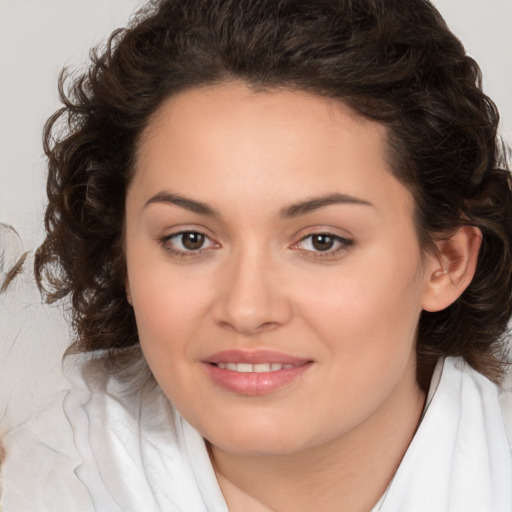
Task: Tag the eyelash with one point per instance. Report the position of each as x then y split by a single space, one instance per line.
343 244
166 242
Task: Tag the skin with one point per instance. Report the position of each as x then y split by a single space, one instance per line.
332 438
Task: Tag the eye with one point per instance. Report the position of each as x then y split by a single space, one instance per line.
187 242
326 243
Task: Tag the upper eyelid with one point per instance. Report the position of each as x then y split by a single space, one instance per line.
344 244
326 231
166 238
343 239
184 230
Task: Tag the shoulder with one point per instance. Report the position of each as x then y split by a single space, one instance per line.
505 393
505 401
70 454
48 461
38 471
136 451
460 448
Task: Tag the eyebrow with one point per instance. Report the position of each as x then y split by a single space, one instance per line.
294 210
183 202
315 203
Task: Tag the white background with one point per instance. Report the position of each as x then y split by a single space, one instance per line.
39 37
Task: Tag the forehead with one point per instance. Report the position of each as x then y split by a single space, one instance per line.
234 110
276 144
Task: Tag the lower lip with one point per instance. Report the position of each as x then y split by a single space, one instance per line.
254 383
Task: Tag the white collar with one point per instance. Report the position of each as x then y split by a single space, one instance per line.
139 454
459 459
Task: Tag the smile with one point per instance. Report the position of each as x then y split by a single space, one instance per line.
255 368
254 372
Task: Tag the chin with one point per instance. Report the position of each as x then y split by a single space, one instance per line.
258 446
258 438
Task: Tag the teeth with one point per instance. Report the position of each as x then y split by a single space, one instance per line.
254 368
263 367
244 368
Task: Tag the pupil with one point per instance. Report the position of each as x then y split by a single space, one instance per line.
323 242
192 241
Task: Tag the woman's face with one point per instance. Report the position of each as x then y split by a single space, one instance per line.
274 268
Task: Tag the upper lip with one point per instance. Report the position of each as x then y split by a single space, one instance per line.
253 357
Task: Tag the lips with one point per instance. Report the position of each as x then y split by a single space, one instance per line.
255 372
254 368
254 357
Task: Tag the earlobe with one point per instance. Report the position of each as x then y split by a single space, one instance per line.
452 268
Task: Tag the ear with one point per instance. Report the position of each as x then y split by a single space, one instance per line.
450 271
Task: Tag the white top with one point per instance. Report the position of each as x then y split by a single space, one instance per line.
127 449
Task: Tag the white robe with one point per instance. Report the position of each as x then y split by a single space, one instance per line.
105 447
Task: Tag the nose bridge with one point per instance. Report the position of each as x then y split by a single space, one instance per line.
251 298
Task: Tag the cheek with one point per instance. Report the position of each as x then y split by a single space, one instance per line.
367 327
370 307
165 313
168 307
167 320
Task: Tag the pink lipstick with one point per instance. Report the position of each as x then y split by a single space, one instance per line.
255 372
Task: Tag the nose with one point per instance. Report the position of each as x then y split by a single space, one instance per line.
251 297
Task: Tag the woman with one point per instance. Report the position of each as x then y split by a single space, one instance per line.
285 230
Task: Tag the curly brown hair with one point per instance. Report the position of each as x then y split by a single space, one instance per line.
393 61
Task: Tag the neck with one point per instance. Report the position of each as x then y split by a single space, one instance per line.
348 473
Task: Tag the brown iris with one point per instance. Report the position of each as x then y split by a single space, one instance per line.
322 242
192 240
